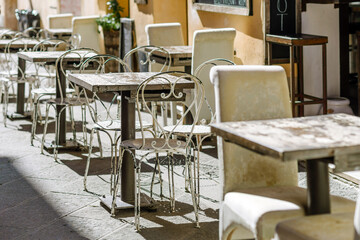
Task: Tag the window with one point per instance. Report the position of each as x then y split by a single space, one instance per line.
237 7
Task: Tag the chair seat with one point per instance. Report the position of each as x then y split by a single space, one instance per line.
338 226
68 101
49 91
186 129
153 143
2 79
115 125
259 209
12 75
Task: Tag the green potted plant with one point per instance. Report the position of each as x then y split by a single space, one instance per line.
111 24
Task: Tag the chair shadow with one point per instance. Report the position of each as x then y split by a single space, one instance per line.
170 225
98 165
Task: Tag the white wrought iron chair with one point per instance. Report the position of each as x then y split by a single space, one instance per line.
147 51
257 191
163 142
11 74
45 80
109 122
165 34
77 99
104 118
202 129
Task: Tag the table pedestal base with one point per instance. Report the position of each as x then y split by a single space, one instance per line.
146 202
18 116
68 145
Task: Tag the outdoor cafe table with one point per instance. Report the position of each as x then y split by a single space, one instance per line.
49 57
59 32
126 84
180 56
318 139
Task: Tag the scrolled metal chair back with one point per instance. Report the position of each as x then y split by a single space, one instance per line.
173 83
33 32
11 58
75 40
148 59
53 44
81 54
205 67
8 35
101 111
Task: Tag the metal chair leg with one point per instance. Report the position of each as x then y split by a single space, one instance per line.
34 122
45 127
88 159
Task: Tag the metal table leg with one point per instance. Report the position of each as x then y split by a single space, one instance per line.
20 99
127 196
127 132
318 198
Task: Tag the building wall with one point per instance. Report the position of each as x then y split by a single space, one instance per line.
7 8
157 11
321 19
249 43
70 6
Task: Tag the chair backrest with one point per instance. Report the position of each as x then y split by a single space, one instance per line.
357 218
63 20
11 60
61 65
244 93
102 110
52 45
205 67
147 52
88 30
75 40
209 44
171 83
164 34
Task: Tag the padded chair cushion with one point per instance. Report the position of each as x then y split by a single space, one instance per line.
68 101
115 125
159 143
49 91
320 227
260 209
185 129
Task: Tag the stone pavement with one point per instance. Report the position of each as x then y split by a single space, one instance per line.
43 199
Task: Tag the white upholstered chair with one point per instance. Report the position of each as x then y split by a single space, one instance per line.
63 20
209 44
341 226
164 34
88 29
257 191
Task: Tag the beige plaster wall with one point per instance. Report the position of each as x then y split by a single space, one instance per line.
321 19
7 8
157 11
249 43
93 7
